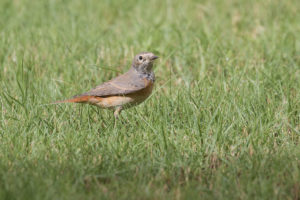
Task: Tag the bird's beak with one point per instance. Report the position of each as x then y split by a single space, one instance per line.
154 58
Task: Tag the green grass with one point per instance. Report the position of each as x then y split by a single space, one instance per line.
223 121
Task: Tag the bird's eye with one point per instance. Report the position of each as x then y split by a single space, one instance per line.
140 57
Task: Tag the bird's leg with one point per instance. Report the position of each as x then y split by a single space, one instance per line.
116 113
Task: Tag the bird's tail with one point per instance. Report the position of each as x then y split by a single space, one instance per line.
80 99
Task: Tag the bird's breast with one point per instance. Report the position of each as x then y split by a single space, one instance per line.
142 94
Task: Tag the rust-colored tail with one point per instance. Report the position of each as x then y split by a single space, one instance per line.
81 99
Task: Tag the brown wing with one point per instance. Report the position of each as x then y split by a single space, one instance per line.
127 83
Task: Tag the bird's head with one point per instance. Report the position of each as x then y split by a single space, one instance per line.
143 62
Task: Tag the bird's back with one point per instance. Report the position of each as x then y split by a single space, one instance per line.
130 82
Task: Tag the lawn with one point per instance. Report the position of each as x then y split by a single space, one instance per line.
223 121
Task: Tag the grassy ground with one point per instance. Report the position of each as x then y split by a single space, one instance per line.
222 123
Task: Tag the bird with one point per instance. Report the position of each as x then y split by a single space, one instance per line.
123 91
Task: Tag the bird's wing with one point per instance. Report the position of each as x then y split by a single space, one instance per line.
127 83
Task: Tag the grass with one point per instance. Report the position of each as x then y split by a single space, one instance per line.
223 121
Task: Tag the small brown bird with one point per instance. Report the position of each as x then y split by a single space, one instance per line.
124 91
